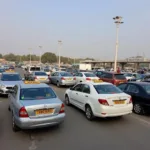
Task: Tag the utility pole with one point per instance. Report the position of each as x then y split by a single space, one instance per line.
30 49
40 53
59 49
117 22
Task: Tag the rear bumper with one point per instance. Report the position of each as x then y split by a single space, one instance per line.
67 83
110 111
28 123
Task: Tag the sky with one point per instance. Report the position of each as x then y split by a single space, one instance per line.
85 27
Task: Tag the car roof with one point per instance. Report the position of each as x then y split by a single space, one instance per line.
10 73
92 83
87 72
40 85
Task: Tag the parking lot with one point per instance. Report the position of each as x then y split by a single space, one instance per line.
77 133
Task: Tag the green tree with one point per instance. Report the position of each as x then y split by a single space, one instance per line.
1 56
48 57
10 57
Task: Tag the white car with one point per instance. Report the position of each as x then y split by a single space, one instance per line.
85 77
99 100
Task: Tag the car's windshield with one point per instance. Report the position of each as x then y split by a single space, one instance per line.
107 89
128 75
36 93
65 74
119 76
46 70
11 77
147 88
40 74
35 69
2 70
89 74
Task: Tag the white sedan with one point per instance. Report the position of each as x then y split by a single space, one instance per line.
99 100
85 77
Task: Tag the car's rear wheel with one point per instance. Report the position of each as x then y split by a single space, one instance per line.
67 102
8 108
58 85
15 128
138 109
88 113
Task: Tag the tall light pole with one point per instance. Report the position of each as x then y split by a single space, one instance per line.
59 49
117 22
30 49
40 53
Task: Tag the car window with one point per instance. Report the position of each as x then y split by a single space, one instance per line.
132 88
36 93
107 89
78 88
108 75
86 89
89 74
80 75
11 77
146 88
40 74
122 86
35 69
119 76
65 74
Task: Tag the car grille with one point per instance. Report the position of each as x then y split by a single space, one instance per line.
9 88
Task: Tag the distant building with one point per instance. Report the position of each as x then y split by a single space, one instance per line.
137 58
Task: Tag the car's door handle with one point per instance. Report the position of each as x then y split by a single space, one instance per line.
86 96
77 93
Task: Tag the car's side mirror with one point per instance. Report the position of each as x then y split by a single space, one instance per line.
23 79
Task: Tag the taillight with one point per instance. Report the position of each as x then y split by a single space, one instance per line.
130 101
62 109
103 102
88 79
74 78
114 81
62 78
23 113
35 77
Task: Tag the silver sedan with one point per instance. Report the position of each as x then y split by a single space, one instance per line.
34 105
62 78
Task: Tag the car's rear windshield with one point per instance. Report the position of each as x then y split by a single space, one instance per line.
36 93
119 76
46 70
107 89
89 74
147 88
128 75
40 74
35 69
65 74
11 77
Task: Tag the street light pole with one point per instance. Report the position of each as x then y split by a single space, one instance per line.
60 44
40 53
117 22
30 54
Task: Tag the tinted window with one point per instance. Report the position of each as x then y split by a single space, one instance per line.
128 75
63 69
147 88
78 87
35 69
36 93
86 89
132 88
11 77
65 74
40 74
108 75
46 70
89 75
107 89
119 76
122 86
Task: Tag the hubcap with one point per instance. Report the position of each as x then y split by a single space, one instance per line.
57 83
67 101
137 108
13 121
88 113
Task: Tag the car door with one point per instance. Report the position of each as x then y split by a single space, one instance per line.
134 91
53 76
75 95
78 77
122 87
85 95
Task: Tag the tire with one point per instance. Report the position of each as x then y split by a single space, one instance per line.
88 113
8 108
58 85
15 128
67 102
138 109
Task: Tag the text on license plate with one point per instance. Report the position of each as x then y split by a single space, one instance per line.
44 111
119 102
69 79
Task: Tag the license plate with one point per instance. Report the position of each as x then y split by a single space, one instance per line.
42 79
44 111
96 81
119 102
69 79
121 82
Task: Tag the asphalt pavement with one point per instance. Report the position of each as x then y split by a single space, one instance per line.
131 132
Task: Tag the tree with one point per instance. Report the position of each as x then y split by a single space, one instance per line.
48 57
10 57
1 56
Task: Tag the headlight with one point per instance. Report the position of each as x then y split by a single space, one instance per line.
2 86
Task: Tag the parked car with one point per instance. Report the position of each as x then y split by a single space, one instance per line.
99 100
62 78
114 78
85 77
140 92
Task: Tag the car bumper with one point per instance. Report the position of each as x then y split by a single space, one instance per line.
111 111
67 83
43 81
31 123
